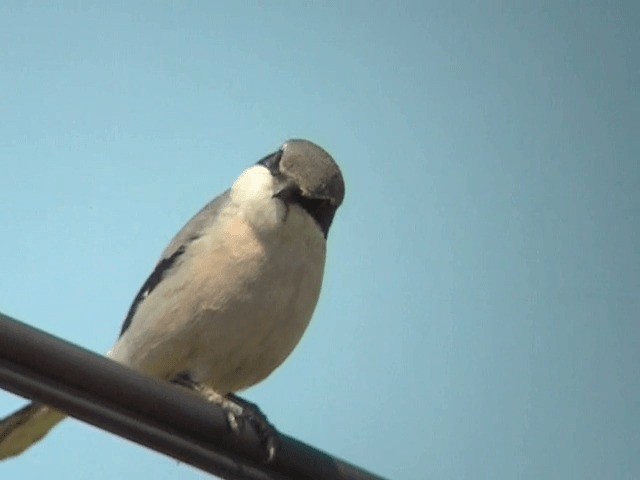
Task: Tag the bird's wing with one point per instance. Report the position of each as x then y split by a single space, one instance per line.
190 232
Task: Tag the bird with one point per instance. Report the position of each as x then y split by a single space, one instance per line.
232 293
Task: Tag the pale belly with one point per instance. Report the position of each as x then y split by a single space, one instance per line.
237 311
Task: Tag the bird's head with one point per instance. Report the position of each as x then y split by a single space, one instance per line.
300 173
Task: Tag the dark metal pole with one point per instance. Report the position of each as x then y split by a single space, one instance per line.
156 414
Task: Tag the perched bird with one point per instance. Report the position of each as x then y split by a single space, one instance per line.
233 292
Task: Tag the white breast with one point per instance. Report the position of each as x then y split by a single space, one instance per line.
238 304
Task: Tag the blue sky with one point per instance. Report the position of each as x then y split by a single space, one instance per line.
479 317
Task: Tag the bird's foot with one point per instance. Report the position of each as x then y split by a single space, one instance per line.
239 412
252 414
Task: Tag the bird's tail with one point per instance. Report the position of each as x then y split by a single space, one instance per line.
25 427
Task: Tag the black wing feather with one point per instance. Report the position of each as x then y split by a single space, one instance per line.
190 232
152 282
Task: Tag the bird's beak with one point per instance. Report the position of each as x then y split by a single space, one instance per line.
286 190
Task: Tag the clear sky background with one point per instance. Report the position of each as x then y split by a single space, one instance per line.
479 316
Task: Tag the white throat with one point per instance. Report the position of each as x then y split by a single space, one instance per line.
253 194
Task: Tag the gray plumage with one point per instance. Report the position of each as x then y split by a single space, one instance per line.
233 291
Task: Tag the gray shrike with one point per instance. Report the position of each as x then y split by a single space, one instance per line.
233 292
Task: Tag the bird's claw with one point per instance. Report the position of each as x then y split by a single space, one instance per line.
238 413
251 414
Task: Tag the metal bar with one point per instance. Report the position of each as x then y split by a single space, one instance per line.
169 419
